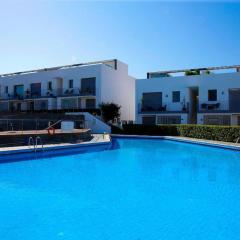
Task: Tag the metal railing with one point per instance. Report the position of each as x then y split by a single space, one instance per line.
35 143
201 107
35 125
164 108
31 142
38 139
49 93
216 106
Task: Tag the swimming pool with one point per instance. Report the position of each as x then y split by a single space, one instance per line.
139 189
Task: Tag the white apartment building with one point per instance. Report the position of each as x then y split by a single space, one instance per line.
202 96
78 86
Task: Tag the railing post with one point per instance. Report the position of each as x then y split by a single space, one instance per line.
36 125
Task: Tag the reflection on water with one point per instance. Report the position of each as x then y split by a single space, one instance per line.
186 161
139 189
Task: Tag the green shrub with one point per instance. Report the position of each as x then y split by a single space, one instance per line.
159 130
210 132
192 72
116 130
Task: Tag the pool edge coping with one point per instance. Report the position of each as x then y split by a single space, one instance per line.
57 147
206 142
108 141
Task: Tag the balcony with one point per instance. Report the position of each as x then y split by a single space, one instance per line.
161 109
46 93
213 107
218 107
77 92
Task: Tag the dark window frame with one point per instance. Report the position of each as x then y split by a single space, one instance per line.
176 98
86 88
70 83
90 103
212 95
50 85
6 89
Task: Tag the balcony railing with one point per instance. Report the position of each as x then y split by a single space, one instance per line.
215 107
164 108
77 92
48 93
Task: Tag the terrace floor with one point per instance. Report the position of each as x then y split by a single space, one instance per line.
97 138
38 132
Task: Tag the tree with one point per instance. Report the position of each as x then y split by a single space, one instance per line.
192 72
109 111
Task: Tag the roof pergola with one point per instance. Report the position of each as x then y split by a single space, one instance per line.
194 69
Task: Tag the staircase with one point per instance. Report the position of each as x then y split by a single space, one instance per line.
92 122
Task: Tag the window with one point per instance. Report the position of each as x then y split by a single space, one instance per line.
176 96
69 103
50 86
70 83
90 103
149 120
217 120
152 101
212 95
6 89
19 91
88 86
169 119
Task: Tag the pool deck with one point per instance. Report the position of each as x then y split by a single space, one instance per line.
206 142
38 132
97 139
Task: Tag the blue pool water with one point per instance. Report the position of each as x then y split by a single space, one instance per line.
141 189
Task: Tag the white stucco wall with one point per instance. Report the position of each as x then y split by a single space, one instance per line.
112 85
222 82
118 87
95 124
44 77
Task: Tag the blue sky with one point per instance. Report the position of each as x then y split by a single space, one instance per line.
149 36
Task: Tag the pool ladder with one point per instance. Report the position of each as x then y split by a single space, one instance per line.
35 143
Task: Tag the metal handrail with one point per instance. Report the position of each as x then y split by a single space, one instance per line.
11 125
36 144
30 139
53 124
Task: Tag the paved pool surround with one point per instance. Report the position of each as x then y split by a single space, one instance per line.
21 138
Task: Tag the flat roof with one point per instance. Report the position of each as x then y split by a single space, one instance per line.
111 62
193 69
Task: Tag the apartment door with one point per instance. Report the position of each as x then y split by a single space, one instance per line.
88 86
193 105
234 100
59 86
36 89
19 91
31 106
19 107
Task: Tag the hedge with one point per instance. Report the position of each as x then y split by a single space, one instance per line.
210 132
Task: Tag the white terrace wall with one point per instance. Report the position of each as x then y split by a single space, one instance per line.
119 87
112 85
222 82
